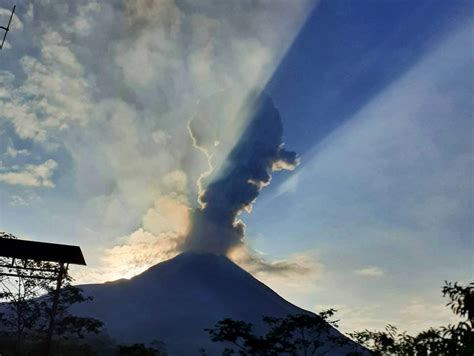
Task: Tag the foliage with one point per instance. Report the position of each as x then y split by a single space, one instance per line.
461 299
301 334
455 340
60 348
157 348
27 310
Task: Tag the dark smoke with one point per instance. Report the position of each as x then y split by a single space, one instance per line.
260 151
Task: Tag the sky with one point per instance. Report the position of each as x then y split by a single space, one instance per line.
117 117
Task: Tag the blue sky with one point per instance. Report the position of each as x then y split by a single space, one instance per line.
378 101
375 97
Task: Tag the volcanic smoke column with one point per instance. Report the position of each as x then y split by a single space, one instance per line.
215 226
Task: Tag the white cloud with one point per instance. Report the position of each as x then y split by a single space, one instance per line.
13 153
6 78
30 12
108 92
31 175
164 228
24 199
167 214
53 96
370 271
77 94
135 254
83 23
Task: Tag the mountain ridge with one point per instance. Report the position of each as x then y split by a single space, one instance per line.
175 300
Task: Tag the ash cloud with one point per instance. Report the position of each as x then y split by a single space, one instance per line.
105 88
216 226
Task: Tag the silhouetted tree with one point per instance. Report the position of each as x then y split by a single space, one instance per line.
301 334
455 340
157 348
27 307
461 299
240 334
304 334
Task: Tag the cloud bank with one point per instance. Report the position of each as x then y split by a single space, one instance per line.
31 175
106 89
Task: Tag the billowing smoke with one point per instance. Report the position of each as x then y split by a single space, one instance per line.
216 226
106 88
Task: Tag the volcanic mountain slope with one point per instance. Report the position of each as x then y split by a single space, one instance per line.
175 300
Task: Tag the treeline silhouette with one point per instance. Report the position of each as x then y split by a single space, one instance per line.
451 340
311 335
23 315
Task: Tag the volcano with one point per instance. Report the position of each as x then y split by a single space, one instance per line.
174 301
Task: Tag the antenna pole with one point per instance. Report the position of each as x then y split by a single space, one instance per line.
6 29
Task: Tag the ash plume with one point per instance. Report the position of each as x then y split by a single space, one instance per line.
216 226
